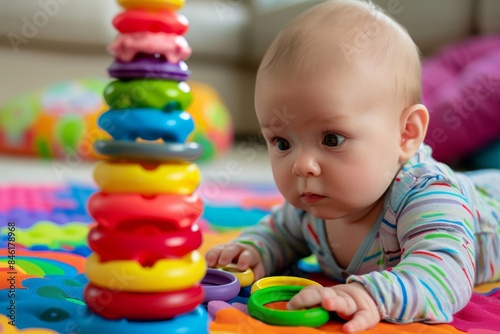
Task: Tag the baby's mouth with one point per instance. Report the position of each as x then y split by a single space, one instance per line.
308 197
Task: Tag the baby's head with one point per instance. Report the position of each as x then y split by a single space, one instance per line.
337 98
346 35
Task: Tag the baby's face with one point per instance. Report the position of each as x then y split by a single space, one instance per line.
333 142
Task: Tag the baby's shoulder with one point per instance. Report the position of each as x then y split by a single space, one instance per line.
418 176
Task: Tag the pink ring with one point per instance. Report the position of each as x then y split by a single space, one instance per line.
174 47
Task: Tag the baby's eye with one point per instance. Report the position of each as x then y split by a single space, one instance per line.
332 140
282 144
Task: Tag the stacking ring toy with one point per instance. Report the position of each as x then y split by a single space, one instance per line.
281 280
129 211
138 20
116 177
148 93
149 66
152 5
313 317
145 248
245 277
164 275
195 322
153 152
147 123
219 285
173 47
112 304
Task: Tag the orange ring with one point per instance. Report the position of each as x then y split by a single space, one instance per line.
152 5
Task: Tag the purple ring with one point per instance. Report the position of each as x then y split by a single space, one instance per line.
149 66
219 285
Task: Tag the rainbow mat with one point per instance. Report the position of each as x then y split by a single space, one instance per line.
42 280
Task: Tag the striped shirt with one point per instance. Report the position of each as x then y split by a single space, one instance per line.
438 235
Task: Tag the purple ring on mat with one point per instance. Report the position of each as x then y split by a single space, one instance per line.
219 285
149 66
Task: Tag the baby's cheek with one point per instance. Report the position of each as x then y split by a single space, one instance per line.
370 179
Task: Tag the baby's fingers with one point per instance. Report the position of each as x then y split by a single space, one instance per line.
230 253
251 259
340 302
307 297
212 256
361 321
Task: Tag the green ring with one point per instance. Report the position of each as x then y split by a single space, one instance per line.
313 317
161 94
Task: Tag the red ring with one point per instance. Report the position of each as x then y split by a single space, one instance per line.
141 20
145 247
126 211
114 304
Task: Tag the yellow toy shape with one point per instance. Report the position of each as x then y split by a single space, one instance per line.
281 280
122 177
6 328
52 235
245 277
165 275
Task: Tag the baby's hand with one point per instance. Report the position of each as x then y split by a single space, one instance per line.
351 302
245 256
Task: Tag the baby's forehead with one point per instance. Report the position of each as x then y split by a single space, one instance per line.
325 66
327 96
336 33
357 94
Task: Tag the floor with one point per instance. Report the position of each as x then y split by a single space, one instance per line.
244 163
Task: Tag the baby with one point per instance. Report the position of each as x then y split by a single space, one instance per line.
338 101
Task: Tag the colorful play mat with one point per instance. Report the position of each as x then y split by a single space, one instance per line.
42 280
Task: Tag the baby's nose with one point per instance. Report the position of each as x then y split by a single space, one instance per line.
305 165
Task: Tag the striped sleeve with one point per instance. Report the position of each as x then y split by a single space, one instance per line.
279 238
435 275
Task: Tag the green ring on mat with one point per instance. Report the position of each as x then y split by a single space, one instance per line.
161 94
313 317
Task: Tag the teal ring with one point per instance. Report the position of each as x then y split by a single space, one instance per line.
313 317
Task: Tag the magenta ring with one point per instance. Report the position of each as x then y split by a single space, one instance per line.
219 285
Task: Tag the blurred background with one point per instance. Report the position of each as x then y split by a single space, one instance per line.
43 42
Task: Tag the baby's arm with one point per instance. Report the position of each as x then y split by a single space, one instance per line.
269 247
435 276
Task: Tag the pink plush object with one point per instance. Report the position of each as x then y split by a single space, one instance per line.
481 313
461 89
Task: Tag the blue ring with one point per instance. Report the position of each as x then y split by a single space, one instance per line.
219 285
147 123
195 322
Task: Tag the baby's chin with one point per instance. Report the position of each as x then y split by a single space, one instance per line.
321 212
325 214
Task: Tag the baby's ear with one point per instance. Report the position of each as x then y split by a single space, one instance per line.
413 126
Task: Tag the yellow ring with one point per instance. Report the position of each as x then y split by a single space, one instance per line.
165 275
245 277
121 177
281 280
172 5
